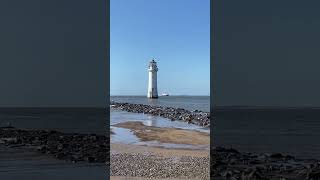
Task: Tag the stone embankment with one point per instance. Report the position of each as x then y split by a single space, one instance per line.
67 146
194 117
231 164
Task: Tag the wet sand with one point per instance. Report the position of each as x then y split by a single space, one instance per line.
166 135
164 152
129 161
160 151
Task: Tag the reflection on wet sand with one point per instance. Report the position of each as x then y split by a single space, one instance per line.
166 135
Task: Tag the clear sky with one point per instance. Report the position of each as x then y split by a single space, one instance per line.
174 32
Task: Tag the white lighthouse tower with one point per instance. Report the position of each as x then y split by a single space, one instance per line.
152 85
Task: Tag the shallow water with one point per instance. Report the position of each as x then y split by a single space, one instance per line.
118 116
290 131
26 164
186 102
126 136
74 120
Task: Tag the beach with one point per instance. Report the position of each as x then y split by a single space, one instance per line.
144 145
185 157
161 143
152 162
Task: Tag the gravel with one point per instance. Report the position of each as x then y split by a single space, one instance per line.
151 166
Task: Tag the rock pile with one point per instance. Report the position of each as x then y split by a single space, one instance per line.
73 147
231 164
194 117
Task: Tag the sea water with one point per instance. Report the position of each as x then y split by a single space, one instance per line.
277 130
191 103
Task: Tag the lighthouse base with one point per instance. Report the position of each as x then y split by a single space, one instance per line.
152 95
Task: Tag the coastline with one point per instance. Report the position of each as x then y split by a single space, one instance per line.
43 151
44 154
73 147
226 163
145 161
196 117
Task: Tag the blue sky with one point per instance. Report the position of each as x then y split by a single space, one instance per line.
174 32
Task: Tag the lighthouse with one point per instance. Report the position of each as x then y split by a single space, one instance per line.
152 84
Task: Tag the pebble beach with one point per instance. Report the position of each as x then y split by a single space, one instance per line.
156 162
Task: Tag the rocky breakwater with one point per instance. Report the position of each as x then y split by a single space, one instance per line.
231 164
66 146
194 117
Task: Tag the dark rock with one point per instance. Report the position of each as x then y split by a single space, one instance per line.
59 145
60 155
289 157
276 155
196 117
228 150
42 148
75 158
90 159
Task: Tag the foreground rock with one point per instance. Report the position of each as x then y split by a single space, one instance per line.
67 146
231 164
194 117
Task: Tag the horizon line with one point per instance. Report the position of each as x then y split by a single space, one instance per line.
163 96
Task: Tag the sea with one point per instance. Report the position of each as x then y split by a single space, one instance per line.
69 120
186 102
293 131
